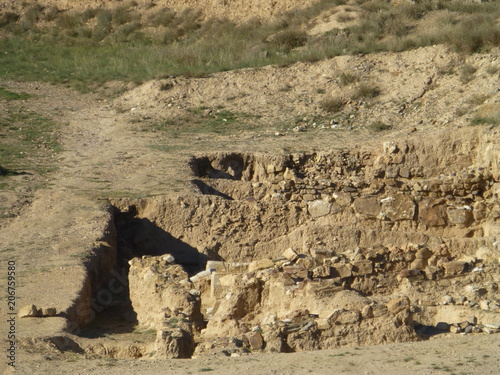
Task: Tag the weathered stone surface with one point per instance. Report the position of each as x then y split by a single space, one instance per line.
423 253
432 212
362 267
322 271
343 316
398 207
443 326
158 289
260 264
343 199
28 311
342 270
318 208
174 343
396 305
454 268
418 264
369 207
459 215
255 340
290 254
48 311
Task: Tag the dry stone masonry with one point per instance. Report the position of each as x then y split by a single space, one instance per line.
318 250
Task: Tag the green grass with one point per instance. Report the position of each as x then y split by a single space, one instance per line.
100 45
28 141
9 95
196 121
493 120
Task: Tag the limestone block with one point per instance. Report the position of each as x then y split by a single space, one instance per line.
362 267
322 271
343 199
174 343
418 264
260 264
255 340
392 171
459 215
443 326
48 311
454 268
342 270
344 316
290 254
318 208
398 207
423 253
432 212
28 311
369 207
399 304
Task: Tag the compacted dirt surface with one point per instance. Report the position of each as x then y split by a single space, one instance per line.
137 149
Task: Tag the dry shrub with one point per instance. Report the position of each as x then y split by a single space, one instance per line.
332 105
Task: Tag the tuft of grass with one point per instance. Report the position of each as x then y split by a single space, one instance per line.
347 78
379 126
366 90
492 120
332 105
288 39
30 141
9 95
467 73
99 44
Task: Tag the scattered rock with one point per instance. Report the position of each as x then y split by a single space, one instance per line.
290 254
260 264
318 208
443 326
28 311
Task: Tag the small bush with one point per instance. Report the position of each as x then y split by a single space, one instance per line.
103 27
467 73
69 20
332 105
8 18
89 13
493 120
51 13
288 39
121 16
347 78
379 126
34 13
163 17
366 90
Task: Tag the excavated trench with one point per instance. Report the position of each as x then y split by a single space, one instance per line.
311 251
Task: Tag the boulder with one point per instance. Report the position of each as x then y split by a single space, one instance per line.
290 254
398 207
460 215
28 311
397 305
432 212
362 267
318 208
368 207
260 264
453 268
255 340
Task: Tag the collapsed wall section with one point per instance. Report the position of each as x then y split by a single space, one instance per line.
316 250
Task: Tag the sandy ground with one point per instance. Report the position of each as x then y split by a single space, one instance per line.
472 354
